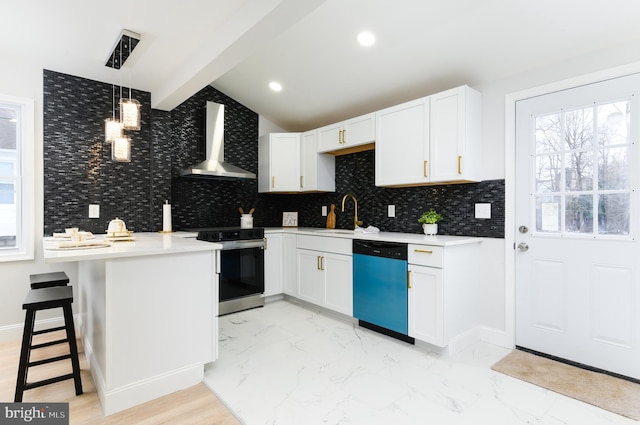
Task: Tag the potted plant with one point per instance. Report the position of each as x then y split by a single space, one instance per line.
430 221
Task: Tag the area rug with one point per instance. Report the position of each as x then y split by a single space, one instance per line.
607 392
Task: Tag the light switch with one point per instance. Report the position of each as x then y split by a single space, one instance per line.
94 211
483 210
391 210
324 210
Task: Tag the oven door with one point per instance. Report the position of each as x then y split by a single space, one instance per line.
241 269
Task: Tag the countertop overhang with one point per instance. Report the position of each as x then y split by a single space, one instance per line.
415 238
143 244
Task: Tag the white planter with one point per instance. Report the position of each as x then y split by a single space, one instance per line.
430 229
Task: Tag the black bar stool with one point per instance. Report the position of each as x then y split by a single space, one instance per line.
47 280
43 299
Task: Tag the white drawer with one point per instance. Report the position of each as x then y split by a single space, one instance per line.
425 255
326 244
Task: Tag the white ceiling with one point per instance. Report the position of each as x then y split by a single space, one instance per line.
238 46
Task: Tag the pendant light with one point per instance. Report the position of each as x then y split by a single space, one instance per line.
121 149
112 127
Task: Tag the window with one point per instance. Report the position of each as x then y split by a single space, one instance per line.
16 151
583 170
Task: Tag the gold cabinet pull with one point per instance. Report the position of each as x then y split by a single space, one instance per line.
273 182
409 279
423 251
318 262
424 168
344 137
301 185
459 164
321 263
265 243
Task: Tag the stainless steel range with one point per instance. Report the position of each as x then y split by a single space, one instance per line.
240 266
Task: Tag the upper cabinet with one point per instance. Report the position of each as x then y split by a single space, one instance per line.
353 135
289 162
435 139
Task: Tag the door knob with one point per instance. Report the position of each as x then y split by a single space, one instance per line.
523 247
523 229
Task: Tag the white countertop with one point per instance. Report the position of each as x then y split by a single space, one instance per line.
143 244
415 238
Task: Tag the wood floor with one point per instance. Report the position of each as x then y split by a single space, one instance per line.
195 405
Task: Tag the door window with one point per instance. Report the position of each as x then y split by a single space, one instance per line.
582 166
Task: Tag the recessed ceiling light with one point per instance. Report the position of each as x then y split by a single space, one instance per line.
275 86
366 38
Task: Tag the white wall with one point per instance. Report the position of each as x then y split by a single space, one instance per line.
25 80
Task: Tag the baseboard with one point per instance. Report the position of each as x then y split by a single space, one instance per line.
495 336
118 399
10 333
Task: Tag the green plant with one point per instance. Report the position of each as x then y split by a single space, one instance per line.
430 217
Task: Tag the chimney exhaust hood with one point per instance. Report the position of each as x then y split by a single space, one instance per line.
213 166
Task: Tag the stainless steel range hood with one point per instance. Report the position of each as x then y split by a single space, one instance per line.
214 166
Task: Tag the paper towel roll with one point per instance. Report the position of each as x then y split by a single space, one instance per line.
166 217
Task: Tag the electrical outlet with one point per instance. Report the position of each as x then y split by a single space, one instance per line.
391 210
324 210
94 211
483 210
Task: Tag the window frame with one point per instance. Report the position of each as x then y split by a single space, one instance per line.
25 181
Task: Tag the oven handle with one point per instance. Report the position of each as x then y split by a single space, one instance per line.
253 243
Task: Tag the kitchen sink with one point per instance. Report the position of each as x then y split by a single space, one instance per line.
336 231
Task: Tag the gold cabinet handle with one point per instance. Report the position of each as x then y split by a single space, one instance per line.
318 262
265 243
321 263
273 182
409 279
423 251
424 168
459 164
344 137
301 185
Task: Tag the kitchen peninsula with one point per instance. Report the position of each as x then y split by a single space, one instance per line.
147 312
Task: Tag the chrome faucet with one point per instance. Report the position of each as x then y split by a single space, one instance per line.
356 222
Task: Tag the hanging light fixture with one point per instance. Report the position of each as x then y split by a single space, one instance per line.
121 149
112 127
129 108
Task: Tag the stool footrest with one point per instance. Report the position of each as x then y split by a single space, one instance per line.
45 331
50 343
50 360
37 384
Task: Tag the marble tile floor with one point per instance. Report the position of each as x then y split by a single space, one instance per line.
287 364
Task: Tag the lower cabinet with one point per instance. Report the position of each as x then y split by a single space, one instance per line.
289 266
426 321
273 265
443 291
325 278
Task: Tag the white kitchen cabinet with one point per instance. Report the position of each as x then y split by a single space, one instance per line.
273 265
348 136
431 140
402 144
289 162
289 265
455 135
443 296
317 171
279 162
325 272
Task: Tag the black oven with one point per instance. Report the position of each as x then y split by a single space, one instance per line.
240 267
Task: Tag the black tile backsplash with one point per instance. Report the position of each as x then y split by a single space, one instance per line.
78 171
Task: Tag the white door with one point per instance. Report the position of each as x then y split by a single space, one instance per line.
577 250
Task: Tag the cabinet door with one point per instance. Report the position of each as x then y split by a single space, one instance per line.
308 161
402 144
338 282
289 265
455 135
426 308
310 278
284 162
330 138
360 130
273 276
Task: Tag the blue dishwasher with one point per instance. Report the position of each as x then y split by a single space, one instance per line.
380 287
